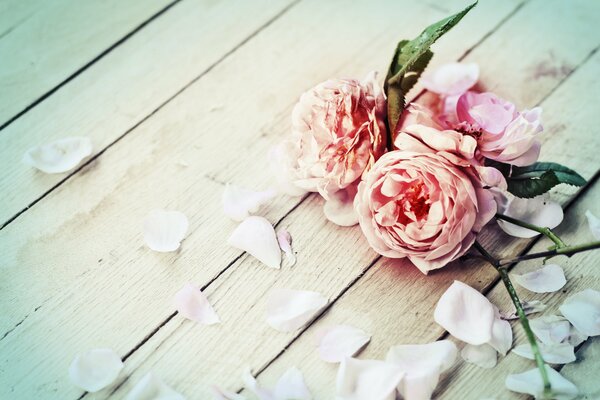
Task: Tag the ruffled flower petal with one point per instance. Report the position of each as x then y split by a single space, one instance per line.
583 311
285 243
239 203
530 382
164 230
559 353
547 279
594 224
59 156
341 341
451 79
291 386
339 208
484 355
193 304
151 387
367 380
537 211
256 236
289 310
95 369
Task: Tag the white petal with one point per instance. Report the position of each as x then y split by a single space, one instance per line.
341 341
502 336
465 313
289 310
151 387
339 208
367 380
59 156
256 236
530 307
252 386
220 394
547 279
451 79
95 369
537 211
559 353
530 382
484 355
551 329
164 230
583 311
291 386
576 337
193 304
239 203
285 243
594 224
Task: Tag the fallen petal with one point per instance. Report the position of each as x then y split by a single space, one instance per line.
95 369
59 156
239 203
291 386
530 382
285 243
339 208
594 224
559 353
151 387
576 337
256 236
537 211
502 336
341 341
484 355
367 380
547 279
193 304
220 394
289 310
164 230
530 307
583 311
451 79
465 313
252 386
551 329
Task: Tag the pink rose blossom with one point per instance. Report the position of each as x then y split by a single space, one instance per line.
338 132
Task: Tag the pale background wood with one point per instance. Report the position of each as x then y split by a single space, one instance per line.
194 100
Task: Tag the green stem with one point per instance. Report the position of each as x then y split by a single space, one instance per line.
564 251
540 229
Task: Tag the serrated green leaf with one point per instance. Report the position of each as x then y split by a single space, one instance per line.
563 174
532 187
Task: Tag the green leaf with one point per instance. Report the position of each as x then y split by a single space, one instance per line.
563 174
409 62
532 187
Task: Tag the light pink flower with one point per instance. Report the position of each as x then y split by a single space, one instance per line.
338 132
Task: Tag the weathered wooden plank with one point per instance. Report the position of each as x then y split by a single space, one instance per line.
43 43
80 291
126 86
585 371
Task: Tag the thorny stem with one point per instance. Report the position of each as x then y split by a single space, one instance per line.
540 229
564 251
522 317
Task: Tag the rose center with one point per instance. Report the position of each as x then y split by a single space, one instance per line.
414 204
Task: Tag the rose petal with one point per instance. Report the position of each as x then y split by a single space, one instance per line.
484 355
239 203
594 224
530 382
151 387
291 386
558 353
59 156
502 335
289 310
547 279
583 311
339 208
576 337
95 369
530 307
451 79
367 380
550 329
537 211
193 304
164 230
285 243
465 313
256 236
220 394
341 341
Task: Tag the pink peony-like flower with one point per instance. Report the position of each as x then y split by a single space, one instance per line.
427 201
338 132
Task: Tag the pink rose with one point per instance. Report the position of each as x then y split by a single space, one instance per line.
427 201
338 132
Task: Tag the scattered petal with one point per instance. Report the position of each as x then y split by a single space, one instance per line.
367 380
502 336
550 329
530 307
594 224
151 387
164 230
289 310
530 382
239 203
193 304
451 79
291 386
256 236
465 313
547 279
59 156
95 369
339 208
576 337
252 386
220 394
340 342
537 211
484 355
285 243
583 311
557 353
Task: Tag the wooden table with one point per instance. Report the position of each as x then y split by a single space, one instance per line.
181 97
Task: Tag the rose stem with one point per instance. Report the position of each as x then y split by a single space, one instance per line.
522 317
565 251
543 230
